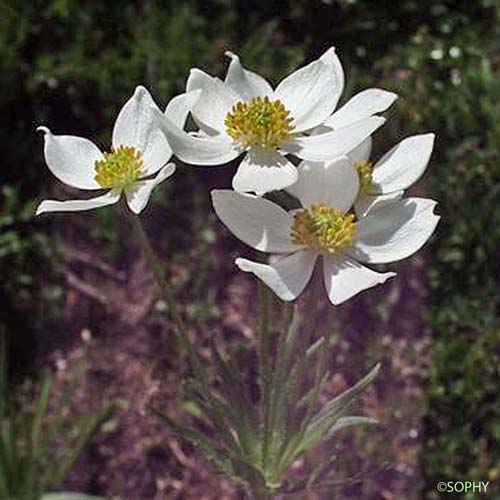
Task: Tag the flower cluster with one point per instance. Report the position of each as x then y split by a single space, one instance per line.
352 210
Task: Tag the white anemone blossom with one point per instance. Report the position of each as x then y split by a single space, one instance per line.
324 228
136 163
386 180
244 115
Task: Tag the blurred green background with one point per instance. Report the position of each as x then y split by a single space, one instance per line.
70 65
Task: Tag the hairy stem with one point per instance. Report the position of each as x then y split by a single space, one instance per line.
265 369
217 416
289 454
258 491
159 273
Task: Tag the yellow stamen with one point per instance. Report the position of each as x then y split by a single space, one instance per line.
260 122
323 228
365 172
119 168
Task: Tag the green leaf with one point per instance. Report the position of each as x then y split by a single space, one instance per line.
344 422
279 407
325 423
35 448
216 412
338 404
210 449
244 418
291 337
308 395
40 412
294 381
86 435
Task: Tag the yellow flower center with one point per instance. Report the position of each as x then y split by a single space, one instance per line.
365 172
323 228
119 168
260 122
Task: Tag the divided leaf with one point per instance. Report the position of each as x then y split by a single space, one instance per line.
328 420
225 461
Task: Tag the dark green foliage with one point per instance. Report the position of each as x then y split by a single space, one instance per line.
31 423
71 66
20 244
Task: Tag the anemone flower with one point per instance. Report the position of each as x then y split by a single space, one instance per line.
244 116
324 228
397 170
136 163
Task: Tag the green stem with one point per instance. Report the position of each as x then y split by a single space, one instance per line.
320 373
322 360
265 368
317 384
258 491
200 374
168 297
289 454
277 391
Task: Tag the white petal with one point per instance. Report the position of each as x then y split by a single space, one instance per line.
195 150
335 183
264 170
135 127
331 59
138 195
180 106
71 159
367 203
245 83
256 221
197 80
310 94
287 277
361 152
361 106
157 153
403 164
345 278
212 107
323 147
110 198
395 231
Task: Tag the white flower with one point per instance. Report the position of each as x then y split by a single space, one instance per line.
139 150
324 228
386 180
244 114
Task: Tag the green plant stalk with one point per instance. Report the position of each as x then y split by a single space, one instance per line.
265 370
259 491
290 451
322 362
198 369
286 344
289 454
158 271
